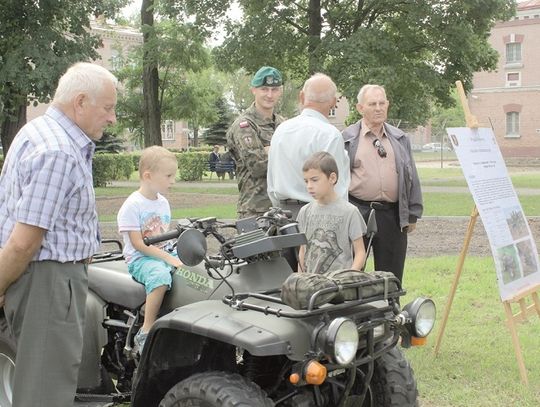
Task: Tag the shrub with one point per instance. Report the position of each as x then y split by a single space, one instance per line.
123 166
111 167
135 157
192 165
208 149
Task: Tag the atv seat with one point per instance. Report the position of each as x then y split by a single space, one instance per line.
112 282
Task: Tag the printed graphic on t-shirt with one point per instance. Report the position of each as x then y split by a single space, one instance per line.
323 249
154 224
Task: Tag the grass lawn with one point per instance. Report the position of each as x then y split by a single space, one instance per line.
476 365
461 204
422 156
453 177
178 188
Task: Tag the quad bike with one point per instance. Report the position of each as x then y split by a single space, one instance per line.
226 338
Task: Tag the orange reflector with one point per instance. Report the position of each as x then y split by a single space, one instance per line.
315 373
415 341
294 378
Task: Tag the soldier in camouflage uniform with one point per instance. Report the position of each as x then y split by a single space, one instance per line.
248 140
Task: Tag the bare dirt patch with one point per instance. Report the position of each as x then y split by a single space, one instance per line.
434 236
111 205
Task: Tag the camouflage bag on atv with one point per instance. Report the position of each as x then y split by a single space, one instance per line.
370 284
299 288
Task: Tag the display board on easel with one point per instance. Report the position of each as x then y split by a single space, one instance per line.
513 247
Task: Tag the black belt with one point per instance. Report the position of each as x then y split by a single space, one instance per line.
292 202
377 205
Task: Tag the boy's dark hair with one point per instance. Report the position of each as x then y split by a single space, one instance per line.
323 162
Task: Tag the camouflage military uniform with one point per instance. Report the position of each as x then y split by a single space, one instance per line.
246 139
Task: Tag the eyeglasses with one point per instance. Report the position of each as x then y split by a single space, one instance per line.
380 148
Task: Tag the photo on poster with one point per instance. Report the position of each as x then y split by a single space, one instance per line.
509 263
527 257
516 222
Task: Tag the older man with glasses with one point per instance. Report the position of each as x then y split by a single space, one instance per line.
384 178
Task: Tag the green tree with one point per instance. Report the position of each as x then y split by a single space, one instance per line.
157 52
443 117
240 90
110 143
178 51
215 134
38 41
195 100
417 49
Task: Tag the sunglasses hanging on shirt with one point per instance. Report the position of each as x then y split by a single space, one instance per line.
380 148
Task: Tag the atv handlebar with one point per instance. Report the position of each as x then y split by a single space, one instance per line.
268 233
205 225
172 234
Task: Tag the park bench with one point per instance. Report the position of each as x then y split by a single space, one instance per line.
221 168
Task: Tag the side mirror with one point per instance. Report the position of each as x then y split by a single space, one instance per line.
191 247
371 224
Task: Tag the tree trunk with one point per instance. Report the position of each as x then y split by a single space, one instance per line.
151 108
315 28
195 136
11 126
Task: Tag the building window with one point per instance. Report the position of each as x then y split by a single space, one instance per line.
513 52
512 124
332 112
513 79
167 130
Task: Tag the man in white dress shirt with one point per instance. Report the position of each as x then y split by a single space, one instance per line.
298 138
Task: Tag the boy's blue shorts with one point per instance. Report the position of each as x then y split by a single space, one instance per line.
151 272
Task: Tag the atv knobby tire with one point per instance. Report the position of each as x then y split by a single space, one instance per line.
7 363
393 383
216 389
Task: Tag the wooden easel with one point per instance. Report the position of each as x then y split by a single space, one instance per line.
512 319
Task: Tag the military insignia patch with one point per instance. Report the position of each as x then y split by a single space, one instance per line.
243 125
248 140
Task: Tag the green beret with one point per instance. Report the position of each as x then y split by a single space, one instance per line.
267 76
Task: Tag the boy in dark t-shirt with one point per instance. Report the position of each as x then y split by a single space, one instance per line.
334 228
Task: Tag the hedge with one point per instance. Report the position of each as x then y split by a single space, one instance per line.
192 165
111 167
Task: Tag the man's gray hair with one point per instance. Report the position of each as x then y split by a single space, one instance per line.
314 92
82 77
365 88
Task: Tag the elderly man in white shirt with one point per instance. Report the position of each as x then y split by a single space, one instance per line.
298 138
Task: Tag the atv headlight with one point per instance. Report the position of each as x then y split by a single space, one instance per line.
422 314
341 341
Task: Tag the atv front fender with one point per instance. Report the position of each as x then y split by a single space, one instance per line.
204 336
259 334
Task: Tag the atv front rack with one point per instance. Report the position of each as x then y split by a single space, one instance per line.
242 301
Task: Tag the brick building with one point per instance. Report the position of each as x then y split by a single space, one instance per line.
508 98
